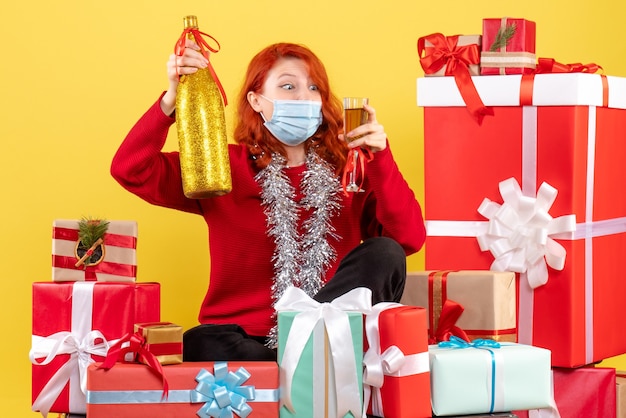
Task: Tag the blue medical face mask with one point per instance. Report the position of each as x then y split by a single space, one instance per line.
294 121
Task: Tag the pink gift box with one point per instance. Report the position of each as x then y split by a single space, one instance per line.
134 391
80 319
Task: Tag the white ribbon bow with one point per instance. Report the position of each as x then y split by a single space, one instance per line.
519 232
80 352
335 318
391 362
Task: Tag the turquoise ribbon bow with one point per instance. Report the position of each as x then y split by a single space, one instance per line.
222 392
456 342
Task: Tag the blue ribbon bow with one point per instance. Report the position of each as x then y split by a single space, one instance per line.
456 342
222 393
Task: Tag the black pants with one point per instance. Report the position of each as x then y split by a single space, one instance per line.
378 264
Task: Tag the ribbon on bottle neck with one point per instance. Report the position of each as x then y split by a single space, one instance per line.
135 343
334 316
222 392
357 158
204 46
446 52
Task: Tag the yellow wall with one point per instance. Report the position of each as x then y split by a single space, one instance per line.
77 74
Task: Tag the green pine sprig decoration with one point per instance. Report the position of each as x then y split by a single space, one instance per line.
503 37
90 230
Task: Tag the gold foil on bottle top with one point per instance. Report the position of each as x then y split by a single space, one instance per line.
190 21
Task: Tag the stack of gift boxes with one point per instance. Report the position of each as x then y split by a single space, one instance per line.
100 348
519 298
524 168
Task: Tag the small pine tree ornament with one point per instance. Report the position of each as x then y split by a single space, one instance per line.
90 245
503 37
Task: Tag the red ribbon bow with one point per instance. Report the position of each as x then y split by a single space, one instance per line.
137 345
450 313
550 65
457 59
204 49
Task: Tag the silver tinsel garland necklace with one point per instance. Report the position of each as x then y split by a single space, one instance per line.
299 260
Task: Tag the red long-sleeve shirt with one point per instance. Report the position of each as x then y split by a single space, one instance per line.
240 249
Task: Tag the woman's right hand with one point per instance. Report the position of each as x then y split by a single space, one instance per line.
187 63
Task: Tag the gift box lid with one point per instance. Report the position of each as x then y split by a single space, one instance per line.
556 89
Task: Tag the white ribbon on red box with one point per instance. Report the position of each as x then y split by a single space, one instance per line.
391 362
80 343
586 230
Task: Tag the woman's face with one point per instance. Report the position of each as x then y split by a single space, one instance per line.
287 80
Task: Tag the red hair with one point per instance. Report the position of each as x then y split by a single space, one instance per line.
249 129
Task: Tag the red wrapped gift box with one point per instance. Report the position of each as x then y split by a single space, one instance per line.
567 139
118 262
79 320
587 392
134 391
396 361
515 57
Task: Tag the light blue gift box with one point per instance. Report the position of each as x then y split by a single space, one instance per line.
313 390
481 379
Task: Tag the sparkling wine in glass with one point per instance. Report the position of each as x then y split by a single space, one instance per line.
354 115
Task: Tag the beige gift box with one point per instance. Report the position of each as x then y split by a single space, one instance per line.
488 299
116 255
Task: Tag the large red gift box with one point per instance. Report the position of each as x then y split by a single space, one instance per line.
396 373
587 392
134 391
118 261
74 323
572 137
517 56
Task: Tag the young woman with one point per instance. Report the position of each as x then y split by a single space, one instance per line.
286 221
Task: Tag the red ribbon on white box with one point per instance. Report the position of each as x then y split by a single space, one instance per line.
586 230
391 362
80 343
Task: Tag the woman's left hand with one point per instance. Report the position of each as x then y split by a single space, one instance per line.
370 135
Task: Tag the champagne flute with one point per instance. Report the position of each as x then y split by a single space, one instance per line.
354 115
